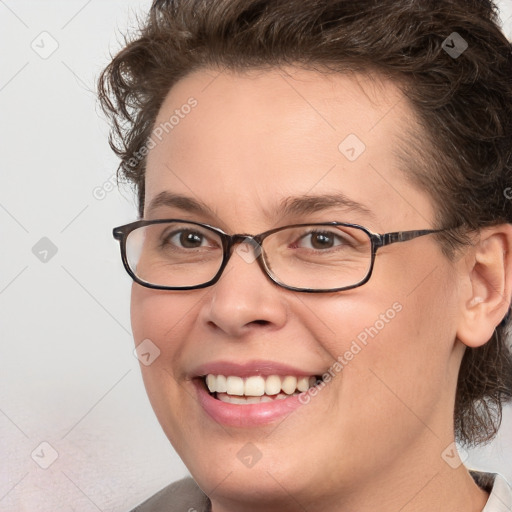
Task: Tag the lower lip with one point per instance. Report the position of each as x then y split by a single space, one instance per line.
240 415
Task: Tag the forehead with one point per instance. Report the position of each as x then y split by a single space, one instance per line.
254 138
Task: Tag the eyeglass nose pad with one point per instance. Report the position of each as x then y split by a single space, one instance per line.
244 249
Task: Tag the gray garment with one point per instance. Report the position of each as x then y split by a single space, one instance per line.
181 496
185 496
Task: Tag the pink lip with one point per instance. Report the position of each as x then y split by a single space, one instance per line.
257 367
251 415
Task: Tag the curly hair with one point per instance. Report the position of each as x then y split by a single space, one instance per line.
463 101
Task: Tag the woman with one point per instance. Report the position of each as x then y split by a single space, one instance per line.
322 269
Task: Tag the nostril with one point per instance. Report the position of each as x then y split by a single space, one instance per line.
260 322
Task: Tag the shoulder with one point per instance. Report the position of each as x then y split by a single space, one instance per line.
500 492
183 496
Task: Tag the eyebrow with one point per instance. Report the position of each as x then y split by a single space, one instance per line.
184 203
289 206
315 203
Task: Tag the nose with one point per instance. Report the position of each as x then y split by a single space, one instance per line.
244 298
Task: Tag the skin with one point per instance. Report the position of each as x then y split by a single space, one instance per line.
373 437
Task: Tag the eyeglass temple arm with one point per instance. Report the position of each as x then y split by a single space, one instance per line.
403 236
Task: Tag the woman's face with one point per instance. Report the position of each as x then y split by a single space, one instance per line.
250 144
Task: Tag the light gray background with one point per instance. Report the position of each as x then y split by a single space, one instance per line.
68 376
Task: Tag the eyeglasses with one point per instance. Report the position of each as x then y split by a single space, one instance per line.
174 254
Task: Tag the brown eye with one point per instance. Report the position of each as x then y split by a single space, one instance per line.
190 240
185 239
319 240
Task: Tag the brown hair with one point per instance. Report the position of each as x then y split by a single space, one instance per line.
463 103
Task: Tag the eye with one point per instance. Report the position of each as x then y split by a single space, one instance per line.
186 239
319 240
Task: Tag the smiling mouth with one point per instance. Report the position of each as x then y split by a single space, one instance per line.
257 388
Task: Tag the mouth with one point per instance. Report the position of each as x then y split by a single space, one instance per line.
256 389
256 392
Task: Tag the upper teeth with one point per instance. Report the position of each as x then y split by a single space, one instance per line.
258 385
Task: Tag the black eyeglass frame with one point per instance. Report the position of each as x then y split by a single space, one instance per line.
229 241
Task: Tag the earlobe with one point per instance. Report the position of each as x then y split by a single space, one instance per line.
487 289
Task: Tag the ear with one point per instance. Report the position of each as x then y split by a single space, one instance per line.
487 285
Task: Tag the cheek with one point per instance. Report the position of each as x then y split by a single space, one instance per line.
161 320
394 343
164 317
